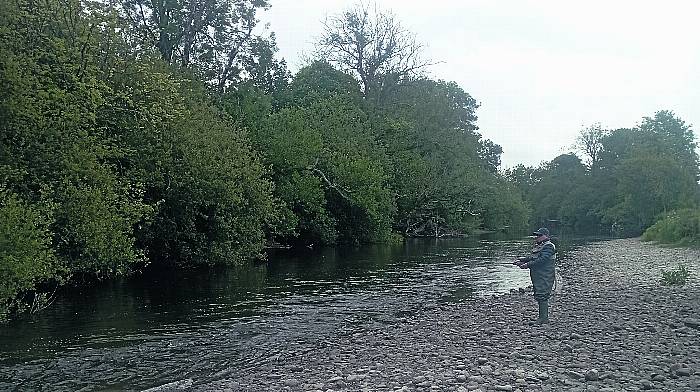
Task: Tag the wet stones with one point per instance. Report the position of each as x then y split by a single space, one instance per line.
592 375
291 382
613 329
684 371
646 384
506 388
692 323
574 375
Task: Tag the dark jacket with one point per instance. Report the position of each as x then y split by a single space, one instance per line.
541 265
543 256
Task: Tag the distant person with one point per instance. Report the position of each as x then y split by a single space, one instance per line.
541 265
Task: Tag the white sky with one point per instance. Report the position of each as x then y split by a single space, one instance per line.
542 70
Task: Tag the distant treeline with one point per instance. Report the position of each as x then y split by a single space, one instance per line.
137 133
630 178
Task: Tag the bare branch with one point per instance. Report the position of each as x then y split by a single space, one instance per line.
373 46
343 192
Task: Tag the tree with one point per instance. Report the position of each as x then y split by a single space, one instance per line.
673 137
440 165
649 185
213 37
490 154
374 47
263 71
111 159
524 177
217 203
27 258
590 142
557 180
639 174
319 81
327 166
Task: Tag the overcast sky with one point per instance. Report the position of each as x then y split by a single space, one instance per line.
541 70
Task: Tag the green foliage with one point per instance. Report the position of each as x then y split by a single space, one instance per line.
677 277
213 37
504 207
664 183
319 81
215 202
443 174
26 255
633 177
329 170
680 227
132 157
54 143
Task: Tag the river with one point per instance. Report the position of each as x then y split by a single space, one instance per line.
138 333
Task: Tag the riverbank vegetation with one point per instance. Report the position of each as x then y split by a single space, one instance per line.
135 135
680 227
676 277
628 180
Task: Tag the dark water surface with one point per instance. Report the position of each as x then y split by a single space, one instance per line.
205 325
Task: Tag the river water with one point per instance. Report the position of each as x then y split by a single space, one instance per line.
206 325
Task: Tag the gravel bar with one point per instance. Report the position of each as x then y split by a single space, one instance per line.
613 327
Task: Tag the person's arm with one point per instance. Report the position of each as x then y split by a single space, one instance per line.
545 255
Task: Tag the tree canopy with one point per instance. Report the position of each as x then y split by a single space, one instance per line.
149 134
632 177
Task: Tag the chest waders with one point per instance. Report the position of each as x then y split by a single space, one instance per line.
542 275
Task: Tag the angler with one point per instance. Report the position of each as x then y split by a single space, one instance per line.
542 274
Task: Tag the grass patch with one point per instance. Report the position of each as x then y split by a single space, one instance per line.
676 277
678 228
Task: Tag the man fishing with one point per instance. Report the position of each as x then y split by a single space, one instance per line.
541 265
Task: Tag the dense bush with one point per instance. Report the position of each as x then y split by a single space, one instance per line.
26 255
681 227
175 143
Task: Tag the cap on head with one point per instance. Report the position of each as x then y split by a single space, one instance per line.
541 231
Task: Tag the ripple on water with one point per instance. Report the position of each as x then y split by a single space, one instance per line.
243 318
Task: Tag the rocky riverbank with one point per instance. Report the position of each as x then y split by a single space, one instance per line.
613 328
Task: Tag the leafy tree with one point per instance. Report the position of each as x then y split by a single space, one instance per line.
263 71
118 159
504 207
52 141
216 203
557 179
27 258
672 137
634 176
523 177
490 155
320 81
432 143
215 37
647 186
323 154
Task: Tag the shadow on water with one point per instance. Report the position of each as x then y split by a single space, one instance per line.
251 312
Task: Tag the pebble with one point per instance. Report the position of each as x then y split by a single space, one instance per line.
613 328
506 388
592 375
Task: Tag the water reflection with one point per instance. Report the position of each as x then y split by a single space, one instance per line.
253 310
